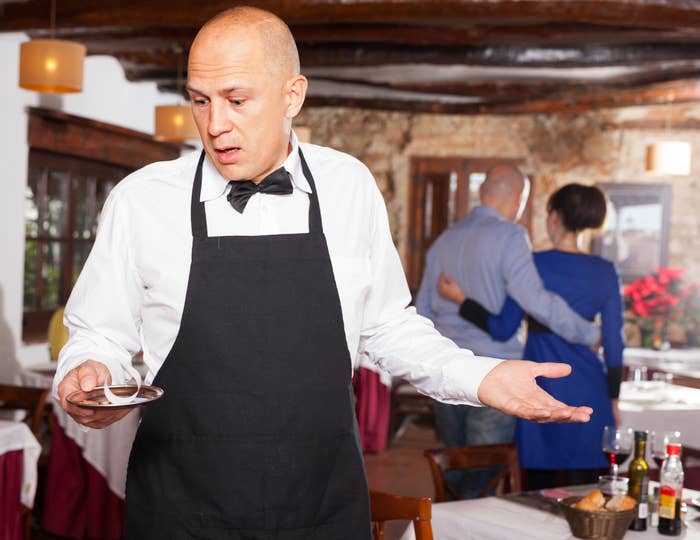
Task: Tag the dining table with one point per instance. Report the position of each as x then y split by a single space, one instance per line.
19 455
527 516
660 406
86 474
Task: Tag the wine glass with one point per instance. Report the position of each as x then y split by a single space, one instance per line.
617 446
659 440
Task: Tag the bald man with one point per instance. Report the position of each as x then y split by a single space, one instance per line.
252 276
489 256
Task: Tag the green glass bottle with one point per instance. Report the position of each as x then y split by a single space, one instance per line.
639 481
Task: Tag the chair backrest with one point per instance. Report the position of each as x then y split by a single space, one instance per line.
388 507
25 398
503 456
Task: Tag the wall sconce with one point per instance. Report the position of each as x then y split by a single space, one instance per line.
669 158
51 65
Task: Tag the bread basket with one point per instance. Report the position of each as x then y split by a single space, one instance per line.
600 524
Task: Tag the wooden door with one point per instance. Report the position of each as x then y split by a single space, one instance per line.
442 192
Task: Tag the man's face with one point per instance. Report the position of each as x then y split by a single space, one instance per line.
239 105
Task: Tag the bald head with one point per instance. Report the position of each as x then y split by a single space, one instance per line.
281 57
506 190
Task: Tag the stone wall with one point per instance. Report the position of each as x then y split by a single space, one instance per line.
599 146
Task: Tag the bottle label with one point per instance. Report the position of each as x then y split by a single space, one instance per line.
667 502
642 510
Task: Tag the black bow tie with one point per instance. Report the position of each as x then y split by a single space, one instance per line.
278 182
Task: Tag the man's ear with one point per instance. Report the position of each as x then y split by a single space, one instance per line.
295 93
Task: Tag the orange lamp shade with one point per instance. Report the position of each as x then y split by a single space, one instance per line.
175 123
51 66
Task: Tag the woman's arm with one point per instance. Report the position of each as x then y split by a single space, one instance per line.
612 335
501 327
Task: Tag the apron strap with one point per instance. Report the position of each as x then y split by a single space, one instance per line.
315 223
198 214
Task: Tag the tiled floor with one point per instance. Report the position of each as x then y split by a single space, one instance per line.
402 469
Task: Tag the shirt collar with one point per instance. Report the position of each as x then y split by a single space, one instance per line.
487 211
214 185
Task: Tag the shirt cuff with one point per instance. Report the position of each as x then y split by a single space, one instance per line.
462 378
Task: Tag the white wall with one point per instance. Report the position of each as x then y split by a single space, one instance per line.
106 97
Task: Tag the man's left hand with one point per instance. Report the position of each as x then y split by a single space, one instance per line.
511 387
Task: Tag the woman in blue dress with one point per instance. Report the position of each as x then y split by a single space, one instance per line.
590 285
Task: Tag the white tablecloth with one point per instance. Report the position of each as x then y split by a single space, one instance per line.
494 518
17 436
107 450
658 406
682 361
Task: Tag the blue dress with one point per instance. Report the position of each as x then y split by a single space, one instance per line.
590 285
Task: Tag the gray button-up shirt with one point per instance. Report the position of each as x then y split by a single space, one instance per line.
491 257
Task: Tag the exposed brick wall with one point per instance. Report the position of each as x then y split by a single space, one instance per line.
556 149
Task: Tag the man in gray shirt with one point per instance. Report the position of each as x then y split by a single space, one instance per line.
490 257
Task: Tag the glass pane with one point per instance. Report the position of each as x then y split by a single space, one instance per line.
31 204
85 207
82 250
475 181
51 275
103 190
55 221
31 260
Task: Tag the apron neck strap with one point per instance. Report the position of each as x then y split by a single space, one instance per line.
198 215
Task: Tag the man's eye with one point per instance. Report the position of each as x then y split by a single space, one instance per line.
200 102
237 102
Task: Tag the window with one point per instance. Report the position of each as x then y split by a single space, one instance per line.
74 162
64 196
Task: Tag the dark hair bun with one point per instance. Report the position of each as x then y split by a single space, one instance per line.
579 207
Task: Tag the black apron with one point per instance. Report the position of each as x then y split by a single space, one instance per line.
255 437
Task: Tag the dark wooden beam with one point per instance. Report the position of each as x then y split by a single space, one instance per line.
496 55
34 14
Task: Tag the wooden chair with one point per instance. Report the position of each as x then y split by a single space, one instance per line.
388 507
407 402
504 456
33 402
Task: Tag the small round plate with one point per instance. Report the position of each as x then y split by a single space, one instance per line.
96 399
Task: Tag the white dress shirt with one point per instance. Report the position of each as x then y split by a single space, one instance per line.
131 292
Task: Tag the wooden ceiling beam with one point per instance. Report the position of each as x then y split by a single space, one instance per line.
34 14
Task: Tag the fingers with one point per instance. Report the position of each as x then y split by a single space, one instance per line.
551 370
87 376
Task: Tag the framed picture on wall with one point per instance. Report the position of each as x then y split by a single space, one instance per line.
636 232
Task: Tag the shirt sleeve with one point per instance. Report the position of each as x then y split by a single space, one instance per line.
102 313
405 344
523 283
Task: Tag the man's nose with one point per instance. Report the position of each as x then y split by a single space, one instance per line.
219 122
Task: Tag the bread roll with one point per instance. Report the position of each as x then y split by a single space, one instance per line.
620 502
593 501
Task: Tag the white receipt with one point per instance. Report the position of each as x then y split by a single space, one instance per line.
124 400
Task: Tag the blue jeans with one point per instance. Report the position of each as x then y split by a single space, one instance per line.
462 425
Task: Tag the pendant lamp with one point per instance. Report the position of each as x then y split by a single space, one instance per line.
175 123
51 65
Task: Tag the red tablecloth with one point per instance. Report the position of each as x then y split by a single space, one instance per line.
372 406
78 502
11 466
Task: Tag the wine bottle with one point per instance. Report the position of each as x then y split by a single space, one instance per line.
671 492
639 482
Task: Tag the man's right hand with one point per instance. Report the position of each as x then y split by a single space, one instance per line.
86 377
